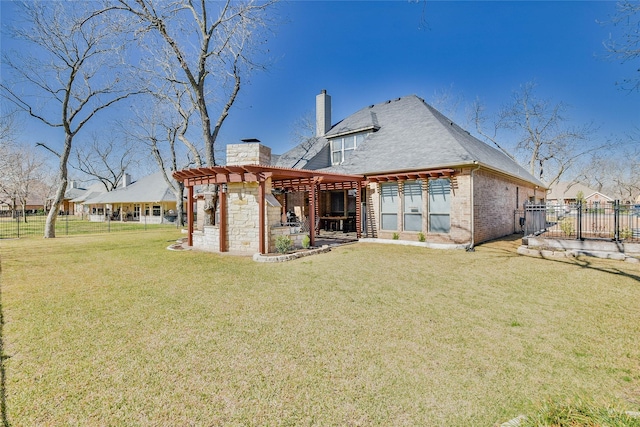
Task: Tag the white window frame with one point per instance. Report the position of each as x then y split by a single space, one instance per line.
338 146
415 208
392 205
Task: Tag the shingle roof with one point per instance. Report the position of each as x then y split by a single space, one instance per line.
151 188
569 190
412 135
302 154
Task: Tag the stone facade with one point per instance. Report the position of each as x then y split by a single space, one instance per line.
248 154
243 217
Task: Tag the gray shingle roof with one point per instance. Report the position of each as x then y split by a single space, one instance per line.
301 155
151 188
569 190
412 135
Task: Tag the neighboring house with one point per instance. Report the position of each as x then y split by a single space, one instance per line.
77 202
566 193
148 200
74 191
394 170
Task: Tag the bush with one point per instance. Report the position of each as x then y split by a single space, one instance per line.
421 237
306 242
566 225
396 236
283 244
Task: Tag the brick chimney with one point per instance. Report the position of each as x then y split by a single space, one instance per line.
323 113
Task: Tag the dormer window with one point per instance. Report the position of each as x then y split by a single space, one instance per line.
343 146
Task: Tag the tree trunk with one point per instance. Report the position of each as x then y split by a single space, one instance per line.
180 204
50 225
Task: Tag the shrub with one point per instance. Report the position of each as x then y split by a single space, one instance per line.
283 244
626 233
396 236
566 225
421 237
306 242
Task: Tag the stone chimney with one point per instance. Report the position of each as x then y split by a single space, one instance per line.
250 152
323 113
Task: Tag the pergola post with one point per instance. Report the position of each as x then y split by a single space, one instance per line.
261 217
190 215
358 210
222 191
313 204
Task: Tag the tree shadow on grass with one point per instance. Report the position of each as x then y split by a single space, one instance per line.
3 394
506 246
587 262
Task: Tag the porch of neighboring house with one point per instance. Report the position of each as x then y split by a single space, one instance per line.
148 213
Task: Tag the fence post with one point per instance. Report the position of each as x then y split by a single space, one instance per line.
579 221
616 220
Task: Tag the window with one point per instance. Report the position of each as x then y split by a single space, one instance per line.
412 206
389 206
156 210
337 203
342 147
440 205
136 211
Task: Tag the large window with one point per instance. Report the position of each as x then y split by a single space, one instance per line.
156 210
342 147
440 205
389 206
412 206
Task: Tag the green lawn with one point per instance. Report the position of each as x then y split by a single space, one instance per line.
11 228
115 330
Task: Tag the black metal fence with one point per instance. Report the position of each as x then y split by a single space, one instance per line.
15 225
605 221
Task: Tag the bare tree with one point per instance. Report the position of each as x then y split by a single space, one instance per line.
73 66
544 139
616 172
161 131
22 176
105 160
626 47
211 43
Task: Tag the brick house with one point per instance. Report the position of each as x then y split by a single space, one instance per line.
395 170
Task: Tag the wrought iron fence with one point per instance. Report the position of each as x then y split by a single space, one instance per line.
609 221
14 224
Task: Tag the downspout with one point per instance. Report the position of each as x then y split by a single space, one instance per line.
473 221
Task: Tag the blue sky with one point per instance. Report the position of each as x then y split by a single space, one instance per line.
365 52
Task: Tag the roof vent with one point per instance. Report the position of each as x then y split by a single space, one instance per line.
388 102
371 106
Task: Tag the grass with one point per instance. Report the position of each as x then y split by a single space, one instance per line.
69 225
116 330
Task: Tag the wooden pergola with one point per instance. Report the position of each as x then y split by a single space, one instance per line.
284 178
